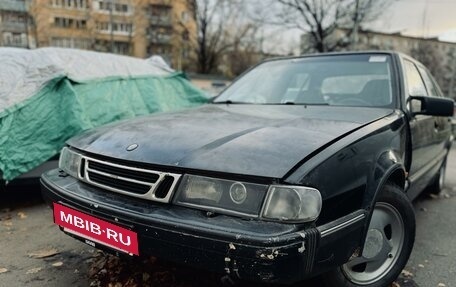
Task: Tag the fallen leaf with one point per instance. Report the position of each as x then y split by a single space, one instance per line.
8 223
407 273
441 285
3 270
423 209
421 265
21 215
44 253
33 270
57 264
6 217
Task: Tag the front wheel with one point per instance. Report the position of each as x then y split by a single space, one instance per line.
389 242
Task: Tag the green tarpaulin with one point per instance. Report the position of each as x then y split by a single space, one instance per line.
36 128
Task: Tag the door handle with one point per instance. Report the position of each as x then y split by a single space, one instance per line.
436 126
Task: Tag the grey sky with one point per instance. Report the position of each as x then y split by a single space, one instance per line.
421 18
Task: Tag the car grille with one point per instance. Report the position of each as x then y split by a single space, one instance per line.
128 180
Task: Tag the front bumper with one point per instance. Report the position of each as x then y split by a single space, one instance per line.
247 249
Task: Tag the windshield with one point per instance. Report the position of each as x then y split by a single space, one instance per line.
338 80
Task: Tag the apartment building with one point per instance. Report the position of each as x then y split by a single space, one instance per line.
399 42
14 23
139 28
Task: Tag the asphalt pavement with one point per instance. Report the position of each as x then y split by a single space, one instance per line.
33 252
433 260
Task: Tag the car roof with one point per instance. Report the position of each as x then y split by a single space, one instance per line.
325 54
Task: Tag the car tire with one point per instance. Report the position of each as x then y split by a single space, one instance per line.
392 223
439 181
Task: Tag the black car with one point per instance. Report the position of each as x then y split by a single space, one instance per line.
303 166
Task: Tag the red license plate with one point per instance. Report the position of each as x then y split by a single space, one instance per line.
96 230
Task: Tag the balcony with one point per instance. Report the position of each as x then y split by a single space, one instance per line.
164 4
160 38
160 41
160 21
13 27
16 45
13 5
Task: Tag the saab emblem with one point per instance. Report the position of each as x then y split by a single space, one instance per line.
132 147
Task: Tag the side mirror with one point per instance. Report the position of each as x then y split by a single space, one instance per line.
434 106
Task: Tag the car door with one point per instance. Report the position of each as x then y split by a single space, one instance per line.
425 146
442 124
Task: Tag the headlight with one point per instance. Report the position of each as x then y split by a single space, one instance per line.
70 162
238 192
221 195
292 203
283 203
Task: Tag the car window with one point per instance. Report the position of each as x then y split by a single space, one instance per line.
299 83
437 87
431 88
348 84
374 89
264 89
415 83
342 80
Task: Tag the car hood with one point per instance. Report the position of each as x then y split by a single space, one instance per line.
252 140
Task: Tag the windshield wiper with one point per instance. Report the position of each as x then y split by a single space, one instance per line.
229 102
314 104
304 104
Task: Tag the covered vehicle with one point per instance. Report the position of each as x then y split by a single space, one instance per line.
303 166
49 95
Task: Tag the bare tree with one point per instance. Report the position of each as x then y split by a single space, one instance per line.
246 51
441 65
320 19
222 27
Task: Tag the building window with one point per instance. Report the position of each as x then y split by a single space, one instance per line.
14 39
185 16
115 27
159 35
70 4
13 18
62 22
375 40
185 53
164 51
160 15
185 36
122 8
109 6
122 48
66 42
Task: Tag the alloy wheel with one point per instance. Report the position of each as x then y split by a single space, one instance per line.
383 245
